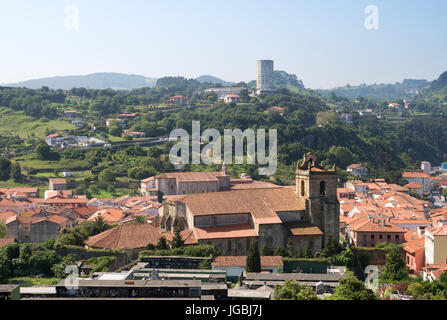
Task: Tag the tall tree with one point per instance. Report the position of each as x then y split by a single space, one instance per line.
162 244
253 262
395 267
350 288
177 241
5 169
292 290
16 172
100 225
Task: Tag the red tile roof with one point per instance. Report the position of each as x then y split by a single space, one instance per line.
302 229
354 166
414 185
416 174
224 232
261 203
133 236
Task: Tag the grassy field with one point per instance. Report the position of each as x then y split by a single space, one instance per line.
115 139
118 193
32 281
16 123
63 164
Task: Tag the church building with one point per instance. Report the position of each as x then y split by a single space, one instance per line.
305 215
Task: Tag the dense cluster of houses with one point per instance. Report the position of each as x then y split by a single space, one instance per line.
375 211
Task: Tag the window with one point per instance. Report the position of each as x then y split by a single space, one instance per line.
380 236
229 245
397 237
364 237
322 188
302 189
372 237
388 237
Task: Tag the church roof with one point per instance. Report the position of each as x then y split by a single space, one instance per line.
263 204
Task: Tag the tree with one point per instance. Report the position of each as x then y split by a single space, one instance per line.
115 130
325 117
5 266
140 220
332 248
5 169
43 150
292 290
280 251
290 252
16 172
205 265
2 230
350 288
177 241
100 225
266 251
162 244
107 176
415 289
253 262
395 267
159 196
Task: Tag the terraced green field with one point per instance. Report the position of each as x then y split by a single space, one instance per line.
17 123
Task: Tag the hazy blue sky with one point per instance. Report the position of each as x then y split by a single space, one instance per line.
325 43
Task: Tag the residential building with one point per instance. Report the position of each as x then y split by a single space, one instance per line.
71 113
346 117
414 249
134 134
357 170
418 177
54 139
133 238
27 192
178 183
224 91
278 109
415 187
367 232
179 100
57 184
120 122
434 271
436 244
232 98
426 167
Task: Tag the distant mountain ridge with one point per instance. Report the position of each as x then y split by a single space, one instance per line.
105 80
212 79
400 90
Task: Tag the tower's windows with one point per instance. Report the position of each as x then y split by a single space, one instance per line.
302 189
322 188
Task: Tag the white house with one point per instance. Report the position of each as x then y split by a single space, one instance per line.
357 170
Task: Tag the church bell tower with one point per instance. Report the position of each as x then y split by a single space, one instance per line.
317 187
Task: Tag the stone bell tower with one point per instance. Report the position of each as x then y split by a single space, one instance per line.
318 189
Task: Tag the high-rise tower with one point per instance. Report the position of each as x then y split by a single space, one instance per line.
264 76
